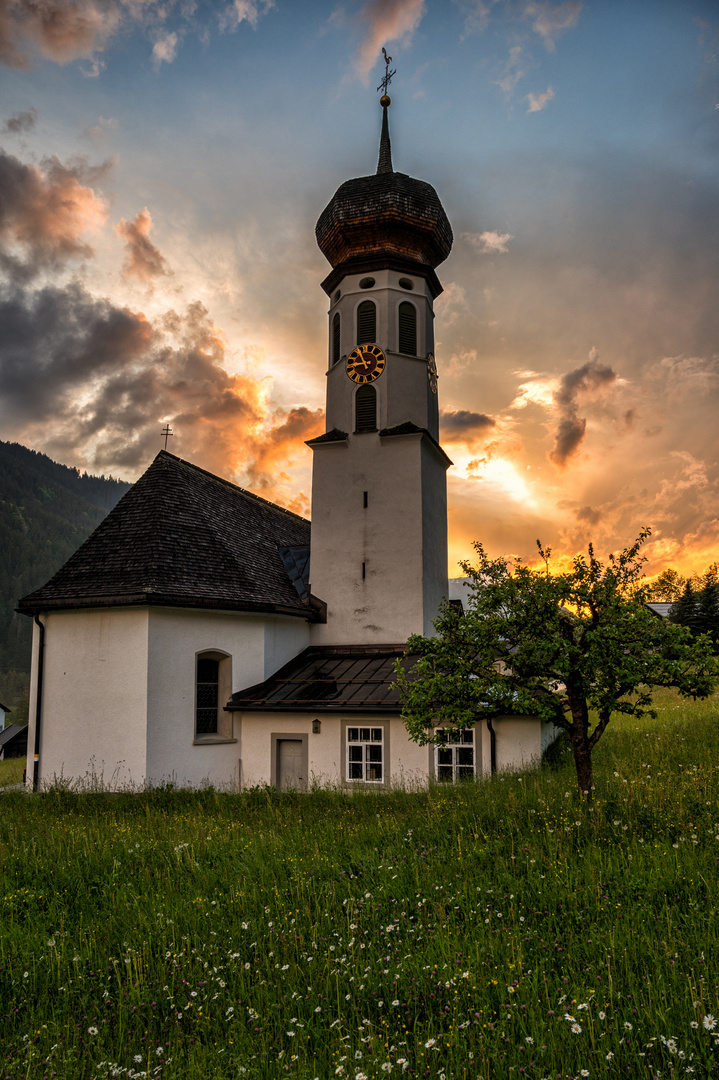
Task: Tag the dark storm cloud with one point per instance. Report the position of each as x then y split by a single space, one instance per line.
20 121
44 213
584 382
94 382
463 424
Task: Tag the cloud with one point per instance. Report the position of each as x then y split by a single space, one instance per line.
384 21
59 30
45 212
244 11
142 259
550 20
476 15
165 48
21 121
92 382
537 102
489 243
463 425
512 71
584 381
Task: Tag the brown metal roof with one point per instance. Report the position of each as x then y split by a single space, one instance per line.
329 678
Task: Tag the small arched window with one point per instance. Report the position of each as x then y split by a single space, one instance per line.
336 338
366 409
407 328
213 686
366 323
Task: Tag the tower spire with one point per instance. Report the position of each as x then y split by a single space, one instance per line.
384 164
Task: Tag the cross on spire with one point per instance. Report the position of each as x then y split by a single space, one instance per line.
166 431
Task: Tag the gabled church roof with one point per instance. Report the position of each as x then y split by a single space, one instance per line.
182 537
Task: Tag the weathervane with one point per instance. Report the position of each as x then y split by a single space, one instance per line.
166 432
388 75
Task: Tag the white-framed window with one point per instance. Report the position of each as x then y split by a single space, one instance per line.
365 754
454 755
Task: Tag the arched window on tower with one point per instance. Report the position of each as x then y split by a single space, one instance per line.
407 328
213 686
336 338
366 323
366 409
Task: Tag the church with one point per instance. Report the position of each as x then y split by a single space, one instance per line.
204 635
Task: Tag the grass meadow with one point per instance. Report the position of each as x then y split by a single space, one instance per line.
494 930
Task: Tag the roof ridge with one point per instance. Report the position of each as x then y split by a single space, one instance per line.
229 483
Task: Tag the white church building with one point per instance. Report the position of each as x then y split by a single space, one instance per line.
203 635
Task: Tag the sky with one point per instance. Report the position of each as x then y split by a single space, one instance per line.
162 167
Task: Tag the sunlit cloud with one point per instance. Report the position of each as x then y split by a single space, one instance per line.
489 243
382 22
512 71
45 213
142 259
165 48
537 102
550 19
249 11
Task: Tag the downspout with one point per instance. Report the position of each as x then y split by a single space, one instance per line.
38 702
492 746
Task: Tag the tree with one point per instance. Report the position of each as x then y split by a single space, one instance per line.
699 610
558 646
667 586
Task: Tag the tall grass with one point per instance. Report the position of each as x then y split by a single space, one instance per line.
494 930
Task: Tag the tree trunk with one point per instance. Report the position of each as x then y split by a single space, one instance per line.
580 745
583 764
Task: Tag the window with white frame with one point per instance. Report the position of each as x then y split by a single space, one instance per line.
455 758
365 754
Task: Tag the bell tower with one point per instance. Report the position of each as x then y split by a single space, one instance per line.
379 494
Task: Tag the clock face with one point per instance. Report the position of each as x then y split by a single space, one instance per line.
432 373
365 363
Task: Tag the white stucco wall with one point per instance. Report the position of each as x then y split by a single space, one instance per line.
519 741
119 691
406 764
257 644
94 697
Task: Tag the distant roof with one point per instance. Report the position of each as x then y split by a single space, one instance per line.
5 708
182 537
347 678
660 608
12 732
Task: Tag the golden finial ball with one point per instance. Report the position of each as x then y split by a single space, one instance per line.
385 100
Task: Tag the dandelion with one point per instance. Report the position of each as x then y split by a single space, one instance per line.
92 1031
576 1028
709 1022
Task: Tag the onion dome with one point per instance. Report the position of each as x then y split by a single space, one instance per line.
386 220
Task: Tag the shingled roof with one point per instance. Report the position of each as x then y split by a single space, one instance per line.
329 678
182 537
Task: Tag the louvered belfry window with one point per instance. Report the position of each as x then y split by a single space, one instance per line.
407 328
366 409
366 323
208 685
336 339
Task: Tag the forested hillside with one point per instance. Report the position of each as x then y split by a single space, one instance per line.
46 511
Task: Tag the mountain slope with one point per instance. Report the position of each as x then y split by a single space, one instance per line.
46 511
